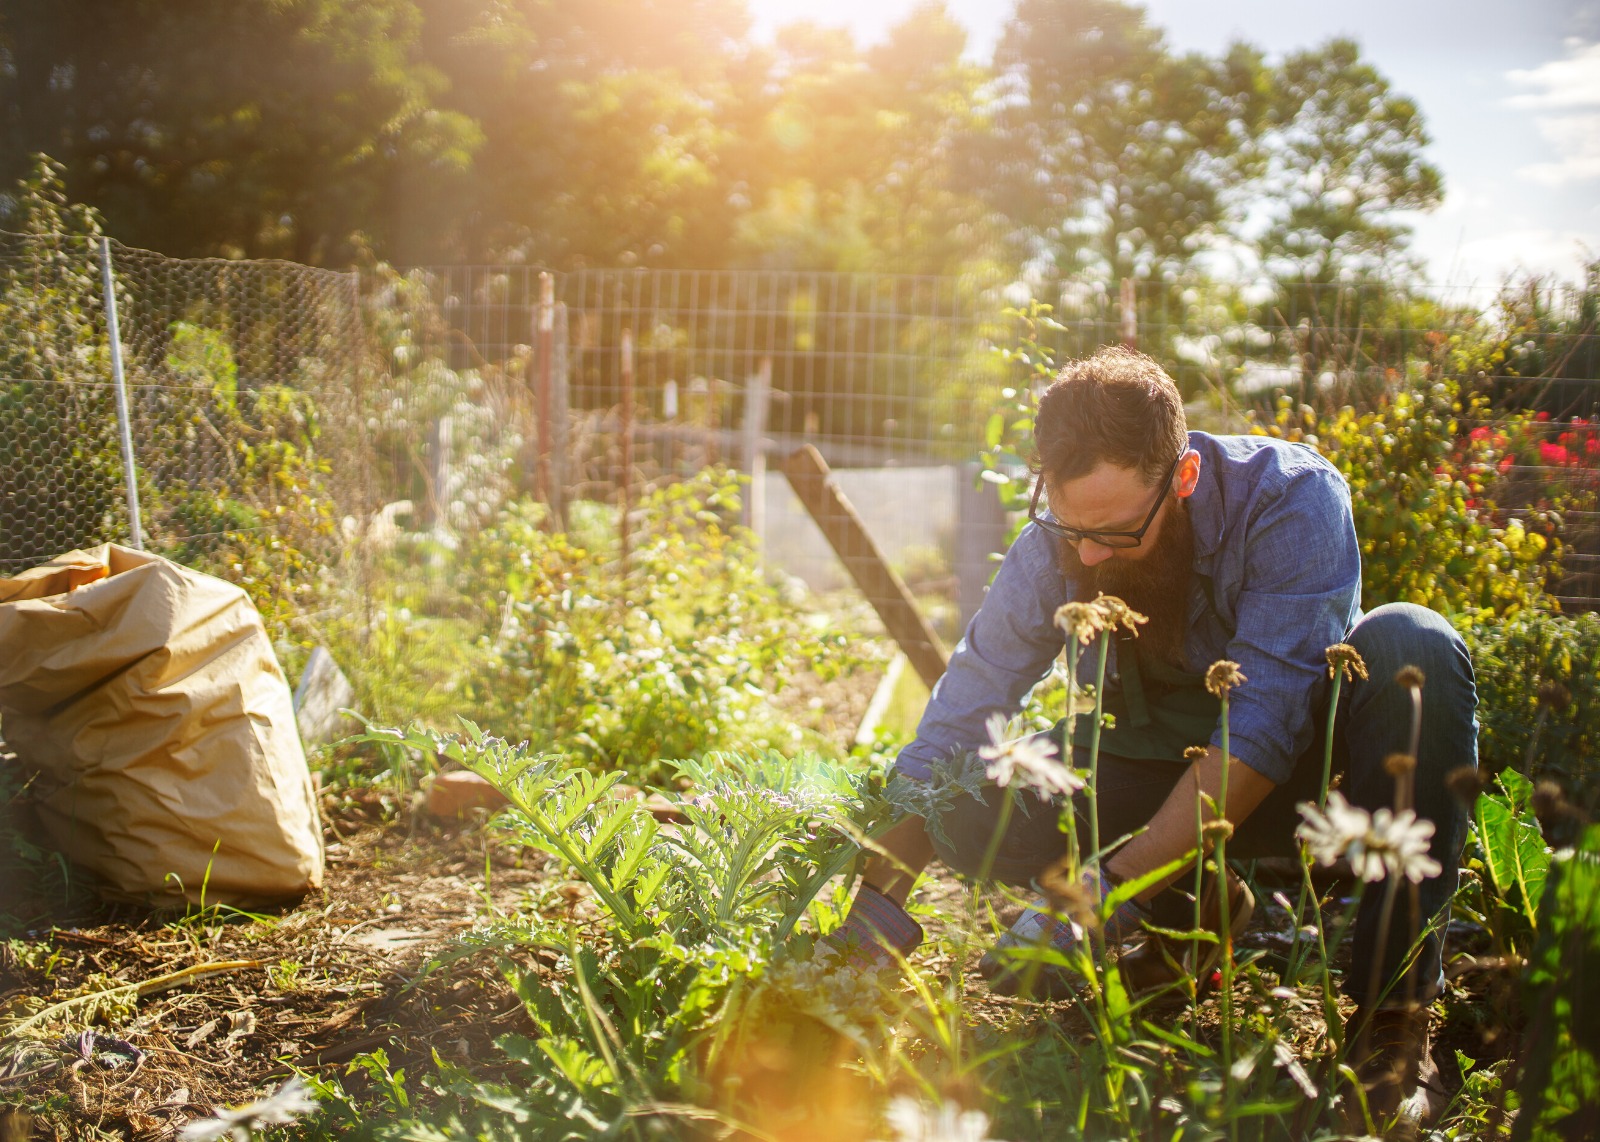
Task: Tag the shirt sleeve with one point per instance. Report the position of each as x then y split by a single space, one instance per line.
1008 647
1301 586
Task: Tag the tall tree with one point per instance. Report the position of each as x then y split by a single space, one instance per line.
1111 156
603 122
854 152
1342 158
244 127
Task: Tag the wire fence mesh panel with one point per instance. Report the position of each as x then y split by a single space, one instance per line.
61 471
240 373
266 397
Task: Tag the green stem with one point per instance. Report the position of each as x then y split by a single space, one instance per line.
1000 825
1199 885
1094 744
1067 747
1322 804
1327 745
1227 919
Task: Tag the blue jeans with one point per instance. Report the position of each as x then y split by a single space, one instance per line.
1374 721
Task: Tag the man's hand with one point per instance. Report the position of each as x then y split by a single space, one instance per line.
1170 833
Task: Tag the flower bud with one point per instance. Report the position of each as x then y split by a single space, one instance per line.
1399 764
1554 695
1466 783
1411 677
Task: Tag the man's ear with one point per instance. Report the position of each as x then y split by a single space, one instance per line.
1188 474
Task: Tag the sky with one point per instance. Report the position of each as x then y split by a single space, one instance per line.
1510 90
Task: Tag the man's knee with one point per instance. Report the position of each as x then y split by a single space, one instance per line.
1404 634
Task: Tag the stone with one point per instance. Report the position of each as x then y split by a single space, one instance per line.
323 692
456 791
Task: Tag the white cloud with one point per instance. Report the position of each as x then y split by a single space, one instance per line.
1571 82
1570 85
1533 249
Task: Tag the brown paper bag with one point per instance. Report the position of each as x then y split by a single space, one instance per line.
148 698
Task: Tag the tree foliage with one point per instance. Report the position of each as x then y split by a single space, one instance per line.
657 132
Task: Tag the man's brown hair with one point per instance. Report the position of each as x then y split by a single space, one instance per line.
1117 407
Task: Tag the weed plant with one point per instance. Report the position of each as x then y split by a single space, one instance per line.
690 992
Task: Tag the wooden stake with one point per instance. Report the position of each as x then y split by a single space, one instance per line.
809 477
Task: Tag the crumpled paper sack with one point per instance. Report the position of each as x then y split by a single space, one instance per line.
148 699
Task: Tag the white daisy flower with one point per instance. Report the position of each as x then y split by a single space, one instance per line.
1400 841
1028 762
1377 844
915 1122
1329 836
289 1103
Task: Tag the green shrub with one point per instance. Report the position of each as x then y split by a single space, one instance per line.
1538 694
1428 533
676 660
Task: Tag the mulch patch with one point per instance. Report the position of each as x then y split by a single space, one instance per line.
336 976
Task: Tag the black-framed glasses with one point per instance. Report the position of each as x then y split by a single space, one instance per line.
1104 538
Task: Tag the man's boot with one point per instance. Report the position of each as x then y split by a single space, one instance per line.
1161 961
1392 1061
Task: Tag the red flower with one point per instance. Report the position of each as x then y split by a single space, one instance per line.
1479 434
1505 465
1591 446
1553 455
1542 416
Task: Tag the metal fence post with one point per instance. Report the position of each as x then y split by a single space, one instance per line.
625 475
547 322
758 398
124 424
1130 313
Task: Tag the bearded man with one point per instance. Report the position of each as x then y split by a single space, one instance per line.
1235 547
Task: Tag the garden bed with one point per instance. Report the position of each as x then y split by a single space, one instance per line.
347 984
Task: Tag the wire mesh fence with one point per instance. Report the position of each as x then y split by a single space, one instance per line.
230 370
424 400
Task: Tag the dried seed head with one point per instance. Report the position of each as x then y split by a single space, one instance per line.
1399 764
1195 752
1554 695
1066 892
1218 830
1118 613
1082 621
1224 676
1466 783
1548 802
1344 657
1410 677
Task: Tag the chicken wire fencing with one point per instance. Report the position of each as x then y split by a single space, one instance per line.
233 376
644 375
265 395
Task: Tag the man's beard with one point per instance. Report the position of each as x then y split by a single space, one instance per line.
1156 586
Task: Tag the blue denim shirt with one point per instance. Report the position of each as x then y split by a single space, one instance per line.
1274 532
